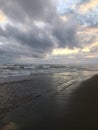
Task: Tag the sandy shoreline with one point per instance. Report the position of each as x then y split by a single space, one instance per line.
47 104
19 90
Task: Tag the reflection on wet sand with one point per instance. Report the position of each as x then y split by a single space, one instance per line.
75 107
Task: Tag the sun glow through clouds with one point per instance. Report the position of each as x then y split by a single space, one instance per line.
65 51
3 18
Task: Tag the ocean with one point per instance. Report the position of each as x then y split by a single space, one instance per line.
15 72
27 70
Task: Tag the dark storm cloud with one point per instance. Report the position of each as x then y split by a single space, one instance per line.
66 33
24 10
42 41
25 13
36 39
2 33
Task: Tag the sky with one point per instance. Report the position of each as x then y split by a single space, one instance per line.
49 32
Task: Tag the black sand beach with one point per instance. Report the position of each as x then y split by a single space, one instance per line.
49 102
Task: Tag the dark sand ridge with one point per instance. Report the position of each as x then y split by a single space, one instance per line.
72 108
83 112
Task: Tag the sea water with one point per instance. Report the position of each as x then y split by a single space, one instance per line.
25 70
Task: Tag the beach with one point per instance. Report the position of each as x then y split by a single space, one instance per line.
48 64
49 101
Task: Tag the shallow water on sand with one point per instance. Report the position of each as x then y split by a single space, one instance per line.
44 102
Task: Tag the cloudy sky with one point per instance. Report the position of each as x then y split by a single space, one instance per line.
49 31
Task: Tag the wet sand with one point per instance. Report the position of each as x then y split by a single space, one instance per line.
50 104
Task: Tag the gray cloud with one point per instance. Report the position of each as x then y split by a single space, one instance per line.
41 41
25 10
22 37
25 13
66 33
36 39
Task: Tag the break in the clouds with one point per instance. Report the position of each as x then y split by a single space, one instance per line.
40 31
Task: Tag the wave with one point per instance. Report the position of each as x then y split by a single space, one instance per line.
17 70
